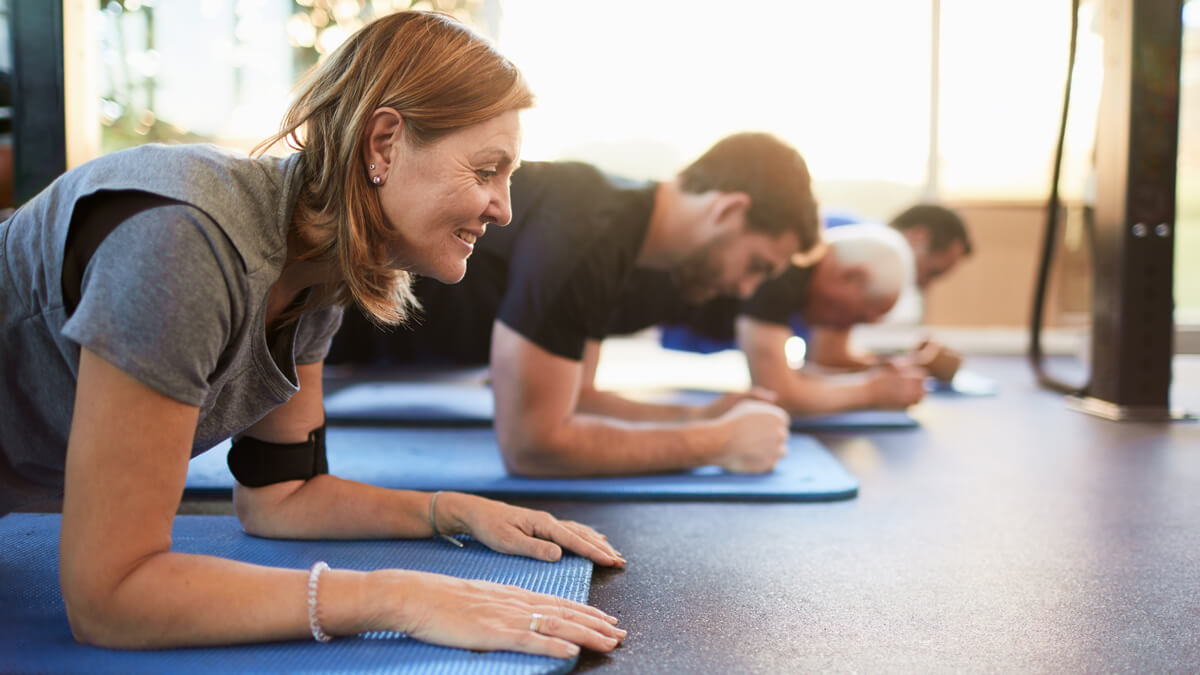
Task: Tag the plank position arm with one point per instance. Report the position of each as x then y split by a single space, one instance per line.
126 467
803 393
609 404
543 431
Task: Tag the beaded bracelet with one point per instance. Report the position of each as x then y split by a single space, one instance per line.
433 521
314 624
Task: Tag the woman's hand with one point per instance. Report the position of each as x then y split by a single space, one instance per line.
486 616
520 531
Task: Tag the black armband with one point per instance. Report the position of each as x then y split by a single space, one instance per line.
256 463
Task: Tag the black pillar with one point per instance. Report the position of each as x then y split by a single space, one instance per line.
39 114
1137 144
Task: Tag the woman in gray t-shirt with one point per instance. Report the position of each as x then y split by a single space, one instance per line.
178 296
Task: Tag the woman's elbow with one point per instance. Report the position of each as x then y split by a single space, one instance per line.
260 509
94 618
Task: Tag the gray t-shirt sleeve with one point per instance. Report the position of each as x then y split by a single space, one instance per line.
160 300
315 334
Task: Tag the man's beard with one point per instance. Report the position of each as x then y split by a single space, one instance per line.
696 277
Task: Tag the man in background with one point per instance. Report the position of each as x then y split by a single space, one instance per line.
858 280
539 295
939 241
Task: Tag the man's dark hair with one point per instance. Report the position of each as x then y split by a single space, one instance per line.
772 173
945 226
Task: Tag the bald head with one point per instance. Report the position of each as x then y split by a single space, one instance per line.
883 253
861 276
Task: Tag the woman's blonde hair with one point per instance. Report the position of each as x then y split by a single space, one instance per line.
441 77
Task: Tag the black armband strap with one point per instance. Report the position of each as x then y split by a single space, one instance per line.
256 463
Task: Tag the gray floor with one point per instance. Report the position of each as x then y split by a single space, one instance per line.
1008 534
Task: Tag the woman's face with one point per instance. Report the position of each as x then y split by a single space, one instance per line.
440 198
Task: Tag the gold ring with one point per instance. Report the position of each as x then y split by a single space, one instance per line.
535 622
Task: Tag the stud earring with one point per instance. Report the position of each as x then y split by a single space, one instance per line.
372 167
376 180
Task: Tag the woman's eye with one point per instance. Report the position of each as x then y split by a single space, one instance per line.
485 174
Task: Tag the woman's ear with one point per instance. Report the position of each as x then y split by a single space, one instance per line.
384 135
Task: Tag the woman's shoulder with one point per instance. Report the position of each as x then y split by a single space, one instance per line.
195 166
249 198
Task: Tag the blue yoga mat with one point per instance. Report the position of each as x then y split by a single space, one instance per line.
855 420
412 404
468 460
418 404
35 636
965 383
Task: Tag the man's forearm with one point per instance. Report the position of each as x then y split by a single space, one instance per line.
608 404
805 394
831 348
590 445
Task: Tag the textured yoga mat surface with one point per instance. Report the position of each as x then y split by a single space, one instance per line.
409 404
35 636
468 460
412 404
965 383
855 420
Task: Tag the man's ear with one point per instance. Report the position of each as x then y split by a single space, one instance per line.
812 256
384 134
918 238
856 275
729 211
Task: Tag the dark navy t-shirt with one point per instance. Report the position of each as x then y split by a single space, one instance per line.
653 300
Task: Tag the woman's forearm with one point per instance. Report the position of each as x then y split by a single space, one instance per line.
328 507
175 599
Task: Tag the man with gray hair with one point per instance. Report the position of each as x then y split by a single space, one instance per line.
859 280
939 241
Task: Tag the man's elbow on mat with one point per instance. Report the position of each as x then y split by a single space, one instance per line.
529 453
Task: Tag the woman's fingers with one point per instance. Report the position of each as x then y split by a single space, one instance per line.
594 620
578 538
488 616
596 539
578 629
519 598
528 642
570 608
537 534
